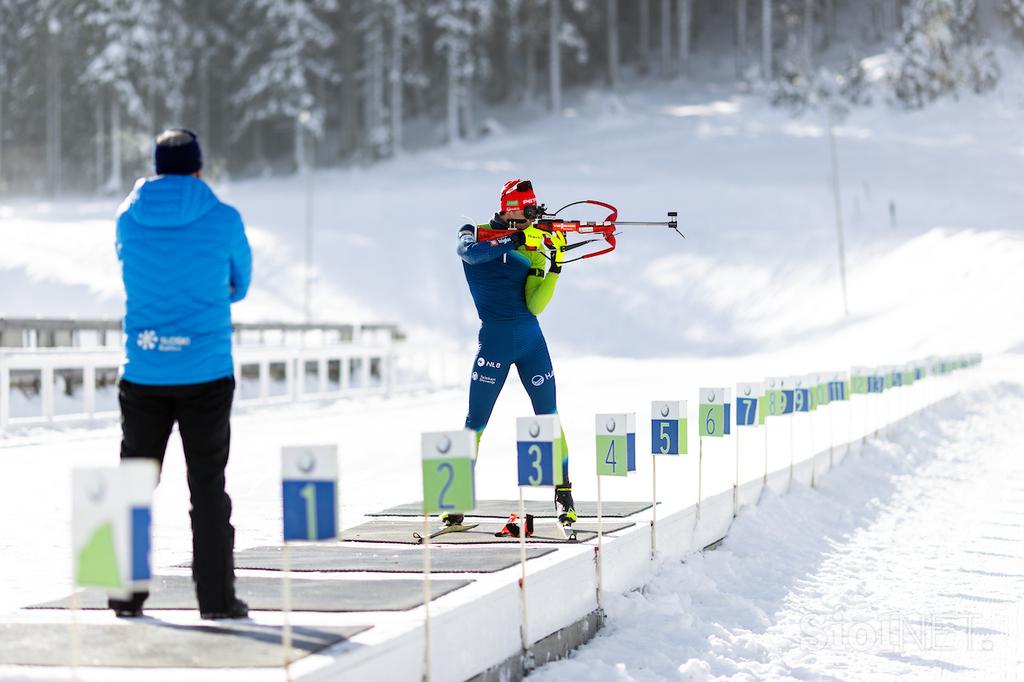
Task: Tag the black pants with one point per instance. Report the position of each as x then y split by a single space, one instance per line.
203 414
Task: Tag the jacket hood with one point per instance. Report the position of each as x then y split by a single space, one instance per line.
169 200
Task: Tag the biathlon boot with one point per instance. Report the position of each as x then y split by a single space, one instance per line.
564 505
449 519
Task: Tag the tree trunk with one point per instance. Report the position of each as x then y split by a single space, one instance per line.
766 39
613 42
685 30
3 89
513 46
894 15
453 96
396 80
115 181
741 37
529 56
466 100
348 107
53 107
829 23
98 161
645 35
666 38
808 48
204 81
373 101
555 56
301 161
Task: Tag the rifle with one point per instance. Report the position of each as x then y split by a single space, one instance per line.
550 222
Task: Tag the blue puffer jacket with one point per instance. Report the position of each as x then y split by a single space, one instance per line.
184 260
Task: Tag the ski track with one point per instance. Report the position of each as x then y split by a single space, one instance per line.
906 562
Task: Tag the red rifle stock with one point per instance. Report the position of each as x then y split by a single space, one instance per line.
605 228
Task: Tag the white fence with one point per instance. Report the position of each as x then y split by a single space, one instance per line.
45 386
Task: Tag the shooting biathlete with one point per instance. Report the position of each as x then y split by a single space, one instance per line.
512 279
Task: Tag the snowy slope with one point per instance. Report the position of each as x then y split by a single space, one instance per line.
758 270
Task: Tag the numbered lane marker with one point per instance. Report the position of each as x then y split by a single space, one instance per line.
668 427
801 394
110 526
630 441
772 399
748 404
712 412
838 387
860 378
612 444
309 492
539 448
448 458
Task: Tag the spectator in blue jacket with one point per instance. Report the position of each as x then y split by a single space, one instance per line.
184 260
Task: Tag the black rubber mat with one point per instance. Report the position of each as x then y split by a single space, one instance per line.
382 530
352 558
148 643
264 594
500 509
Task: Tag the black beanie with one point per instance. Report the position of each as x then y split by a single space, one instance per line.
177 153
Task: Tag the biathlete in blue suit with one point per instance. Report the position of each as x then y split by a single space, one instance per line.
512 281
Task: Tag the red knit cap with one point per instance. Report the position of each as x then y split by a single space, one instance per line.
517 195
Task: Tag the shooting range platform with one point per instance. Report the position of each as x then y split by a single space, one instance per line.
349 558
176 592
500 509
401 532
154 644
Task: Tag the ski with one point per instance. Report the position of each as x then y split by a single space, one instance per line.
444 530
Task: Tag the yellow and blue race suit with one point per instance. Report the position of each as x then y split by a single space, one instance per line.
510 287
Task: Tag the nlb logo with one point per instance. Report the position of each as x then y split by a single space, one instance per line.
484 362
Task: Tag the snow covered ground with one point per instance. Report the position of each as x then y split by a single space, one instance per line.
904 563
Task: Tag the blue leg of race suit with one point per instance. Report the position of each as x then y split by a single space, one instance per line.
490 369
501 344
538 377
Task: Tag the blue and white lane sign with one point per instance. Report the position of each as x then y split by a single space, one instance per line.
309 492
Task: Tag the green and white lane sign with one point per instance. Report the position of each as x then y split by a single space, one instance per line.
612 444
448 458
110 527
668 427
712 412
820 390
774 401
539 450
859 380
